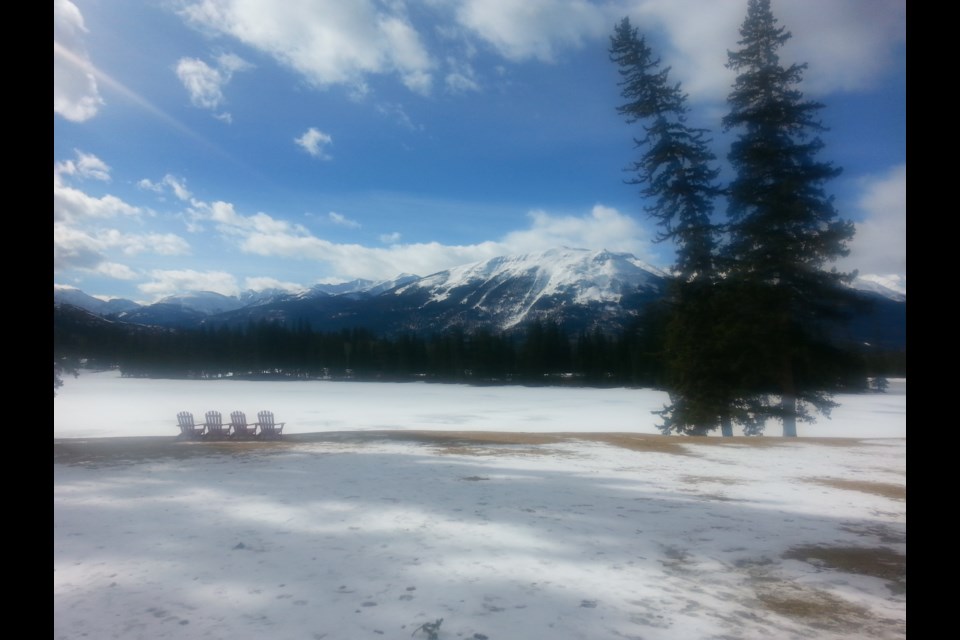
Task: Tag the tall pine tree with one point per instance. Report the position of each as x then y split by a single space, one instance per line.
676 168
677 174
783 227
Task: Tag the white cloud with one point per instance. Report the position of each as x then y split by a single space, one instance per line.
397 113
390 238
164 244
201 81
327 41
342 221
75 93
116 271
73 248
262 282
86 165
205 84
79 240
315 142
231 223
70 204
461 78
89 250
263 235
603 228
230 63
170 282
538 29
848 45
177 185
411 58
880 244
418 82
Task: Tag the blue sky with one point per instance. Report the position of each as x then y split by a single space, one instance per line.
227 145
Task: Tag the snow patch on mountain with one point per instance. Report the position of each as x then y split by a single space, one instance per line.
890 286
207 302
66 294
511 286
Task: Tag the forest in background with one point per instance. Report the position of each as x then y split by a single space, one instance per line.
541 352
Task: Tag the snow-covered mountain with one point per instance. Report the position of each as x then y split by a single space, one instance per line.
357 288
64 294
510 290
207 302
581 289
892 287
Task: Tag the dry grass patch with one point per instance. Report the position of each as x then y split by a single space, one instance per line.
886 534
878 562
113 451
464 438
813 605
763 442
820 609
638 442
130 450
892 491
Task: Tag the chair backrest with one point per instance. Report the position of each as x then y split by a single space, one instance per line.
266 420
238 419
214 419
185 419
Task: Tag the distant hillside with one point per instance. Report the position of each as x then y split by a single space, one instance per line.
581 290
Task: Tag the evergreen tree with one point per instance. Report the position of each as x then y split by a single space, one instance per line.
783 228
677 174
676 167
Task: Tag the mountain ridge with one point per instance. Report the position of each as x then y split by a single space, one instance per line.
584 290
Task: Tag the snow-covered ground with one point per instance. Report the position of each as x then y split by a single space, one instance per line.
371 537
96 405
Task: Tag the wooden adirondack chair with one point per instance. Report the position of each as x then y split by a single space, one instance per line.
189 429
238 422
268 428
215 426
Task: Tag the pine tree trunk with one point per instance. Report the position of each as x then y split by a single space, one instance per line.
726 427
788 389
788 404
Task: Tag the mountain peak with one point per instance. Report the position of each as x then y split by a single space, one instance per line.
511 288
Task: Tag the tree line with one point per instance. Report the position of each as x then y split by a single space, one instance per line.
540 353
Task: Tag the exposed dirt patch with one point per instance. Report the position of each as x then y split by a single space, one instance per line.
879 562
818 608
886 534
798 601
822 610
892 491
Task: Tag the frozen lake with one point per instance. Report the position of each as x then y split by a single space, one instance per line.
102 404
